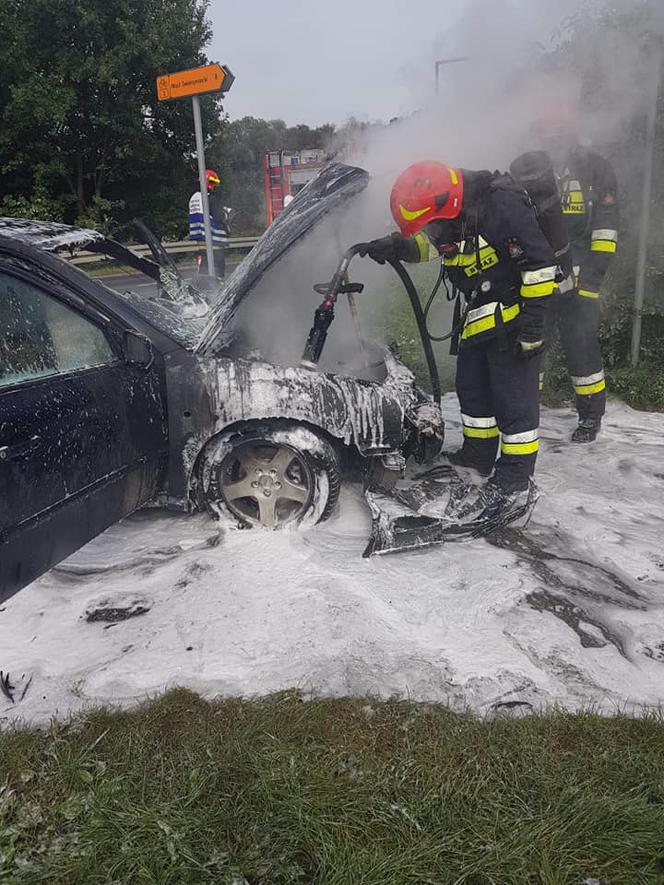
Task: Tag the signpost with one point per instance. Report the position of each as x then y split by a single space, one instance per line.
192 83
646 200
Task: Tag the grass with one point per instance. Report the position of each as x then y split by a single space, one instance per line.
387 313
641 387
279 791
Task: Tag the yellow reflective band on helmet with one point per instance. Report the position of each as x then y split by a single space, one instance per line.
411 216
454 177
526 448
537 290
586 293
589 389
603 246
485 323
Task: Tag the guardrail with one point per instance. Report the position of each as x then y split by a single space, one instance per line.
181 247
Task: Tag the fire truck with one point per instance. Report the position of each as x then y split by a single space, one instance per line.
285 173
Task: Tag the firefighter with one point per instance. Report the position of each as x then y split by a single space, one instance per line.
219 220
589 197
497 257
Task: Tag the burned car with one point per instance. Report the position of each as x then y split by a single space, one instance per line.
110 401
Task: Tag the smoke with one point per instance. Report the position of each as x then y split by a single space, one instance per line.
517 62
514 69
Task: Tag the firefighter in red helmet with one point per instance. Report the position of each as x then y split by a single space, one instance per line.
503 267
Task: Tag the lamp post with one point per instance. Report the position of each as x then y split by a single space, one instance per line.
646 198
445 61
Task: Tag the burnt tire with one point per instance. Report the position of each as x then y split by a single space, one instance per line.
270 474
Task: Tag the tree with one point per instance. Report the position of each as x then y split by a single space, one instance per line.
611 48
238 151
82 135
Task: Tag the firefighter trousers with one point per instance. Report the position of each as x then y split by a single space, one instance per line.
499 398
577 319
219 255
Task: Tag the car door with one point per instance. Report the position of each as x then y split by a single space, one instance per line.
82 426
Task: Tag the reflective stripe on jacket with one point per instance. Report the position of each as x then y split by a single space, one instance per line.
589 197
197 224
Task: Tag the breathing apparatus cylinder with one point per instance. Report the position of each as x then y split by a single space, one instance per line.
533 171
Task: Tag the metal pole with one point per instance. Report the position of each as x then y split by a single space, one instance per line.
200 151
641 261
445 61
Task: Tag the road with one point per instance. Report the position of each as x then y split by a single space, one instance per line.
138 282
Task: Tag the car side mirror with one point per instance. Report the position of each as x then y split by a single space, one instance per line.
137 349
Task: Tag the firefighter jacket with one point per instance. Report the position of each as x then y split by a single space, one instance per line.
218 220
504 266
589 197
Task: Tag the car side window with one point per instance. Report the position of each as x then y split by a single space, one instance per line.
40 336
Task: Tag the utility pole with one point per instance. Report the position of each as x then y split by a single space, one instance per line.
444 61
646 198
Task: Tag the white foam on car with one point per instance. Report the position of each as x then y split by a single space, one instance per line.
570 612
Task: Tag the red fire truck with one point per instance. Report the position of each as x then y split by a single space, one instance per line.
285 173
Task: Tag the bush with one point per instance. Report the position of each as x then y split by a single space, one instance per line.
642 387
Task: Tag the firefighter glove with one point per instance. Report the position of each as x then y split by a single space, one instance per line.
528 349
391 248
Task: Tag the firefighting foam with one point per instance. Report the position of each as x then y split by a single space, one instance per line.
486 113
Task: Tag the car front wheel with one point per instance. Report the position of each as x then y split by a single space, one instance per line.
271 475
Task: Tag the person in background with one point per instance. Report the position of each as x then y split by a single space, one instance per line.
589 197
219 219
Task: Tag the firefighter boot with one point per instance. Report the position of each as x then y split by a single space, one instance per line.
587 430
490 506
460 458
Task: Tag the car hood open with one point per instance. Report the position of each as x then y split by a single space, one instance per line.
333 186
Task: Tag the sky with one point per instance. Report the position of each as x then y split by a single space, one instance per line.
308 61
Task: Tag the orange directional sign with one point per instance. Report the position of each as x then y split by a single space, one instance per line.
211 78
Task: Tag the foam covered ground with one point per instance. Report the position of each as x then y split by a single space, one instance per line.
569 611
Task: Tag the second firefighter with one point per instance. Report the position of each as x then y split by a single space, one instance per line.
589 197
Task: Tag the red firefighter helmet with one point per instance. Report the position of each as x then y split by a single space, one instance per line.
211 179
423 192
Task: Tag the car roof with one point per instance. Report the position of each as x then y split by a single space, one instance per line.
47 235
